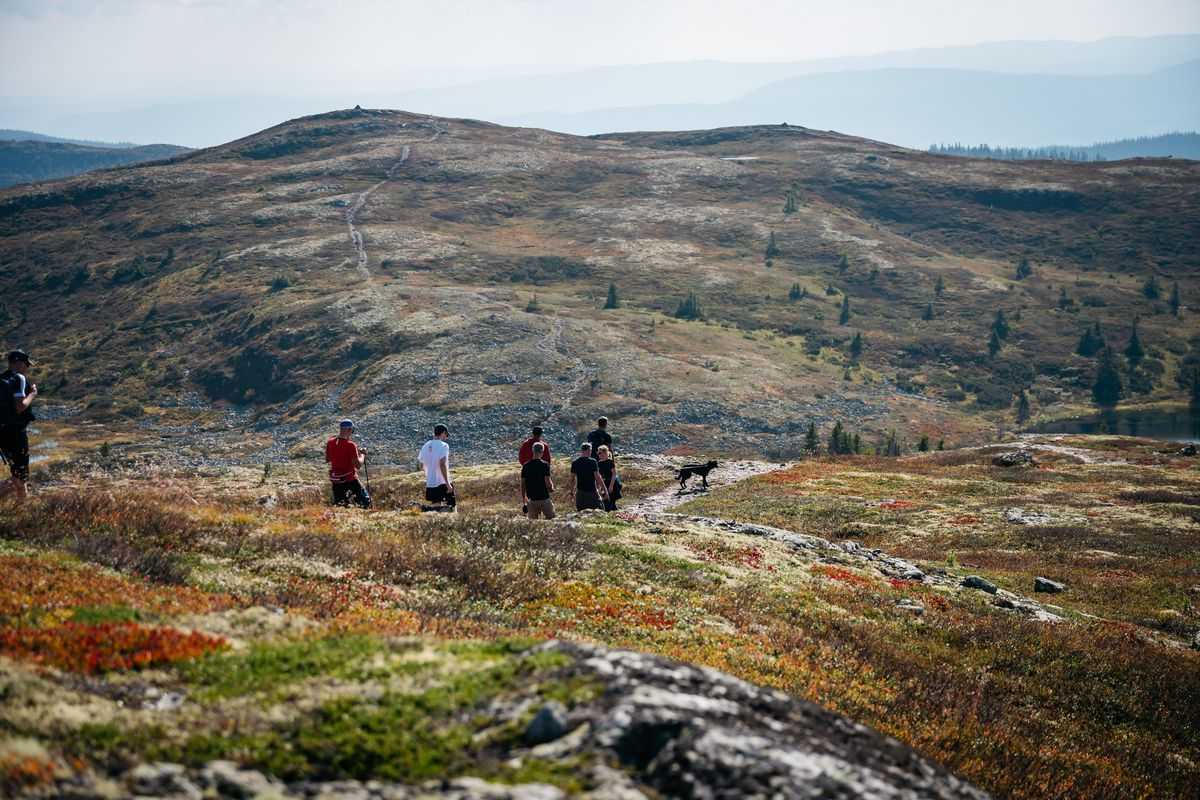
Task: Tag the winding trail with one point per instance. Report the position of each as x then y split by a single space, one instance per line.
356 237
552 345
727 474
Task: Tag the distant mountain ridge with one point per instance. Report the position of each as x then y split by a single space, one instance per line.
913 107
1168 145
555 99
29 161
10 135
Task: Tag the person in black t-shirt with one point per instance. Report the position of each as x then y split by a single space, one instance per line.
600 436
15 416
536 485
586 484
608 475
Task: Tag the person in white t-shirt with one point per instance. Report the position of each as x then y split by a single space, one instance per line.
435 458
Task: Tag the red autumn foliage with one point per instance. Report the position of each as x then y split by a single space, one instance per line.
842 574
105 647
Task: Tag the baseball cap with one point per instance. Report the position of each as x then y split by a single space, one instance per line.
20 355
346 423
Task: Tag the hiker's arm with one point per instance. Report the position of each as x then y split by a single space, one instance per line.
600 489
362 457
550 484
22 404
445 468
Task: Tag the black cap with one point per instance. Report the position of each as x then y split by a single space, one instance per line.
19 355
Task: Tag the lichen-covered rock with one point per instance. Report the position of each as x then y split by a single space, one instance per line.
548 724
1015 458
1046 585
976 582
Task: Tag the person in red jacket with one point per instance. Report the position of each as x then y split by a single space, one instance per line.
525 454
345 460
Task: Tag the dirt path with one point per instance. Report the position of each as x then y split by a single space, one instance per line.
553 345
727 474
356 237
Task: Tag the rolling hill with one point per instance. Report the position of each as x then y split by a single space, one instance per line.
407 269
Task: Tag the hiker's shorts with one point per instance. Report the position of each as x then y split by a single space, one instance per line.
342 492
586 500
541 508
14 445
440 494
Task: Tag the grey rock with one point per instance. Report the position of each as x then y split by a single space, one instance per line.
1187 450
1019 516
976 582
911 606
548 724
162 779
230 780
1015 458
341 790
1046 585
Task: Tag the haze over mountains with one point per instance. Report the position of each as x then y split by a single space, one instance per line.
1113 88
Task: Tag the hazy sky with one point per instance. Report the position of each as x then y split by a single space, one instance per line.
75 48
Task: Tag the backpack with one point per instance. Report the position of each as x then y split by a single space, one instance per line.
9 418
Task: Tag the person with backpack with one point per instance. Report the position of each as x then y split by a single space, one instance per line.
586 483
345 459
435 458
600 436
537 485
16 413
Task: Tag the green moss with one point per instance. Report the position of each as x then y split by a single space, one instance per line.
271 666
94 615
400 737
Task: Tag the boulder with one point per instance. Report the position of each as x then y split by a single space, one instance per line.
1019 516
1015 458
976 582
230 780
1188 450
548 724
161 779
1047 585
914 607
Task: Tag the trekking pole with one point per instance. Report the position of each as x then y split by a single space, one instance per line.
366 476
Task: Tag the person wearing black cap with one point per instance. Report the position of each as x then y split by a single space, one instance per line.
600 437
15 415
345 460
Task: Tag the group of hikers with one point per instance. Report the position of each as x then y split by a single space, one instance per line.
595 483
594 480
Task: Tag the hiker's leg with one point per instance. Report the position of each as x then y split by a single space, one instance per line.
361 498
451 500
341 494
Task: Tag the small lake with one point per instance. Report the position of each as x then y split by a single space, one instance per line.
1172 425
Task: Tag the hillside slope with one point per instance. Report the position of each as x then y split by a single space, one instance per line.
408 269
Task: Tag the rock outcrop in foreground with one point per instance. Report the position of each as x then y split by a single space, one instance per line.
654 727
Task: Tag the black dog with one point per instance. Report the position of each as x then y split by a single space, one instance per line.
684 473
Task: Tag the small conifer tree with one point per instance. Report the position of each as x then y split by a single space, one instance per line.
1091 342
811 443
836 437
844 318
1064 300
1024 269
1195 388
939 288
613 301
843 264
1151 288
1134 353
923 445
789 203
994 344
795 293
941 445
1023 411
927 314
1175 305
689 308
772 247
1107 389
1000 324
856 346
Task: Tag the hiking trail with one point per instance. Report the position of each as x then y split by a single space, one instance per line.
727 473
554 346
356 237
